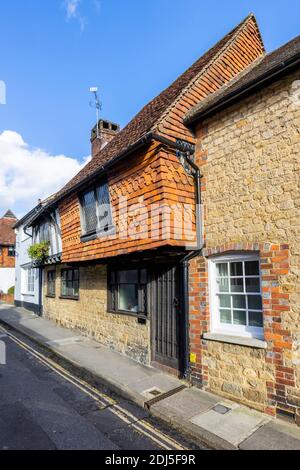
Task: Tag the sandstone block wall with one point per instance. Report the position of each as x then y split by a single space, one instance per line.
89 315
249 157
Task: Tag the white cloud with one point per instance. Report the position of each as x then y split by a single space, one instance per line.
72 10
27 174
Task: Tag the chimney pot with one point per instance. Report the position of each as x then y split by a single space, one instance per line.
107 131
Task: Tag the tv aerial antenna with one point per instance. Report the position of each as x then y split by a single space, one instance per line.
97 104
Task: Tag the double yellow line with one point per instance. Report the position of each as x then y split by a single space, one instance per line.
103 400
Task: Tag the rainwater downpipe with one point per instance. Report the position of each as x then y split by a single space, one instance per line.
185 262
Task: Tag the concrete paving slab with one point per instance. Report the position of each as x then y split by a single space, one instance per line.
186 404
273 436
234 426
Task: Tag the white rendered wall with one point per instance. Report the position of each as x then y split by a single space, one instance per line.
23 242
7 279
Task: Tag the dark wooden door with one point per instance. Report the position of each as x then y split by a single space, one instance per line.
165 316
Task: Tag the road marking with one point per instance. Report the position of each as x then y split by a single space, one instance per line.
143 427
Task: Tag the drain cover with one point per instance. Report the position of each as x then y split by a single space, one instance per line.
221 409
155 392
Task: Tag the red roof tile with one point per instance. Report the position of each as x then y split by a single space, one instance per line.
148 117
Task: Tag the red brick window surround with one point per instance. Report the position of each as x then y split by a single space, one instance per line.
274 267
235 295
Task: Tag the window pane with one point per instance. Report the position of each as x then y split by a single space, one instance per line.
76 288
254 302
255 319
239 317
224 301
128 276
225 316
76 274
143 276
236 269
236 285
104 210
128 297
252 284
251 268
222 269
223 284
63 289
89 210
239 301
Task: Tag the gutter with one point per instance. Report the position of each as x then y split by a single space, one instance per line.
269 76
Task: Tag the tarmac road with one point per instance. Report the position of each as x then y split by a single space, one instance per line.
44 406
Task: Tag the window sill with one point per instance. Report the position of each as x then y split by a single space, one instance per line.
239 340
68 297
94 236
28 294
128 314
49 296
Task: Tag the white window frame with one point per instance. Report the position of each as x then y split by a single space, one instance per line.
215 324
30 280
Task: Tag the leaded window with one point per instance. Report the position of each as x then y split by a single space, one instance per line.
70 283
96 210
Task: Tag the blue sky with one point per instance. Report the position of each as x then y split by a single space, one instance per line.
130 49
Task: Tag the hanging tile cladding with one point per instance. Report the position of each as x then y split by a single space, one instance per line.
244 49
155 177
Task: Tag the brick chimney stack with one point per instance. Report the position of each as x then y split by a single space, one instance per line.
107 131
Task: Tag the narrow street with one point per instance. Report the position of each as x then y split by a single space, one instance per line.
43 406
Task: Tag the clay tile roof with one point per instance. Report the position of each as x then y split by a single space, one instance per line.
7 233
147 119
264 67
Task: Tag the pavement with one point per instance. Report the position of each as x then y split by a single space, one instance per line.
46 407
206 418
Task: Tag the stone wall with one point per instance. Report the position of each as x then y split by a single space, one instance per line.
249 157
89 315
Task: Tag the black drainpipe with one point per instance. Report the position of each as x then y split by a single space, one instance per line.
185 262
195 251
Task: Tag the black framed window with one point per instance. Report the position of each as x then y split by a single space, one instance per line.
51 283
128 291
70 283
45 232
11 251
96 210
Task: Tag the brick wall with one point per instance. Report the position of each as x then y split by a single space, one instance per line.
89 315
249 157
5 260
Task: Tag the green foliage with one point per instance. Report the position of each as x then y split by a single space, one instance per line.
11 290
39 252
